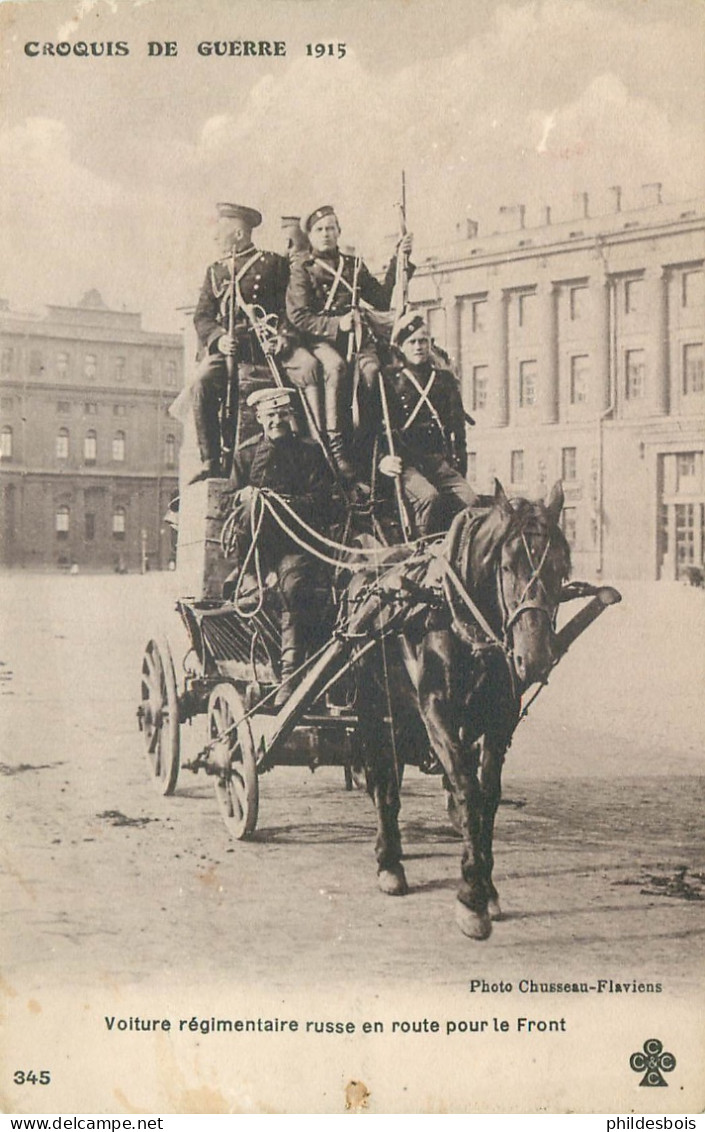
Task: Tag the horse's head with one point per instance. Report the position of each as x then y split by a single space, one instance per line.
533 563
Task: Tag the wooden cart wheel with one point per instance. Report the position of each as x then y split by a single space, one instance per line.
159 715
237 787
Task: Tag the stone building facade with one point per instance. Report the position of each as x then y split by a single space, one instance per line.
88 453
580 350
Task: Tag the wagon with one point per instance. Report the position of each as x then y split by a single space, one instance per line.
224 663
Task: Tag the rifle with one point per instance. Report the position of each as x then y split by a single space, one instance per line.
401 283
401 506
353 336
230 408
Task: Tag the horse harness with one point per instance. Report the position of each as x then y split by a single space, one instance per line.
452 581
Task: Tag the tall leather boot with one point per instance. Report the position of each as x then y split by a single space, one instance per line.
338 450
312 398
291 658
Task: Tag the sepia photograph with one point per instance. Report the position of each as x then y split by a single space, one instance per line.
352 556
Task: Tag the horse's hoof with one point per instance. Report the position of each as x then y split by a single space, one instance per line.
392 883
475 925
494 908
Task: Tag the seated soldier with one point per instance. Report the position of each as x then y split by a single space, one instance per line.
428 430
260 279
319 305
293 467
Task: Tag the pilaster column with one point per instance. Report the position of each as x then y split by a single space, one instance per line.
499 361
452 306
601 353
548 359
657 391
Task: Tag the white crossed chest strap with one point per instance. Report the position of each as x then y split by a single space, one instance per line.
337 280
224 294
424 399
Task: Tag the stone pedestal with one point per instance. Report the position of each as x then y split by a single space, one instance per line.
200 564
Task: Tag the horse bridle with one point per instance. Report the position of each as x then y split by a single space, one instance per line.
526 602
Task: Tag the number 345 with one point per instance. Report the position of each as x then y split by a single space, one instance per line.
29 1077
319 50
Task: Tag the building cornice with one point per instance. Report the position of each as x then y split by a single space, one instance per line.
531 243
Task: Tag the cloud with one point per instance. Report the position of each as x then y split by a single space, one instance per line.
545 101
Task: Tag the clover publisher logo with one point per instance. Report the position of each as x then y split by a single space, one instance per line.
653 1063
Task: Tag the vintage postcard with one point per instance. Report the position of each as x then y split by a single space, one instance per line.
279 521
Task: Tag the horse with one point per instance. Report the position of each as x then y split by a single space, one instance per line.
451 677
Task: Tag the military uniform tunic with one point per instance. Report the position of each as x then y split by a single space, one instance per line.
263 283
297 469
428 425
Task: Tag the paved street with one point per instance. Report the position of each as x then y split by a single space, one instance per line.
599 857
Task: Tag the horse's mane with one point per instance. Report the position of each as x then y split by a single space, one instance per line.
474 540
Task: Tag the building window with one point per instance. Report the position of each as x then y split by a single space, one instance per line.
6 404
62 364
569 464
437 324
579 365
90 367
6 360
686 471
62 444
119 410
6 443
119 447
479 387
527 383
479 316
693 290
120 369
119 523
63 407
170 451
578 303
517 466
472 467
635 371
90 526
147 370
527 308
36 363
62 522
170 373
90 408
633 296
90 447
569 523
693 368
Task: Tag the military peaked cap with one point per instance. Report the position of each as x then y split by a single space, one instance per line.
273 397
251 216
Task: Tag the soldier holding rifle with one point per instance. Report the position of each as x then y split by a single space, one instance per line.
230 352
426 430
335 303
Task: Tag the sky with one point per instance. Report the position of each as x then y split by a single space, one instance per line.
111 167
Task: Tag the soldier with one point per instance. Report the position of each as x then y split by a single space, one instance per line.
296 468
260 280
428 427
319 305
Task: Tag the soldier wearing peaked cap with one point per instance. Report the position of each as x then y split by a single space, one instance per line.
428 426
243 277
319 305
285 463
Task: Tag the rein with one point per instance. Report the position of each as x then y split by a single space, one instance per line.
453 588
